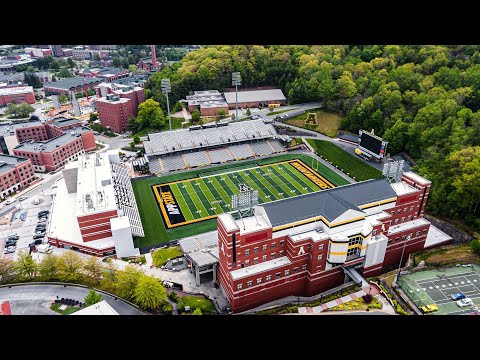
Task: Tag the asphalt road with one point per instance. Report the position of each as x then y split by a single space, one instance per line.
24 297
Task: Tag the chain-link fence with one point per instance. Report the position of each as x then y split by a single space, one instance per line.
415 293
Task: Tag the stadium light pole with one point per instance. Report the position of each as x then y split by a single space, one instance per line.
236 80
166 88
401 258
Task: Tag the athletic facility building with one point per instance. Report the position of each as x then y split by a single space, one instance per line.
313 242
214 143
208 102
255 98
94 210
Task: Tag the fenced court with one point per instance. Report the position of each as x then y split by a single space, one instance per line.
435 287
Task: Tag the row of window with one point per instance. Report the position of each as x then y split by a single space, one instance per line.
410 217
404 210
404 237
264 258
278 275
264 247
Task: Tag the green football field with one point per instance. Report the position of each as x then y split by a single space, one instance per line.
204 197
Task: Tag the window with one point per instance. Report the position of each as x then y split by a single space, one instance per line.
396 221
403 219
264 247
255 250
264 257
239 286
268 278
282 242
277 275
396 239
287 272
410 217
255 261
259 280
320 247
247 252
404 237
319 257
405 209
295 269
272 255
399 211
249 283
417 233
374 232
247 262
273 245
411 208
281 253
304 267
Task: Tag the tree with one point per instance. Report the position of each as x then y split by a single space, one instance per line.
197 311
69 267
25 266
178 106
63 99
32 80
25 109
93 269
92 298
136 139
7 270
116 61
110 277
64 73
127 282
70 63
248 112
150 115
475 244
55 66
233 116
132 68
271 108
47 267
196 116
93 116
149 293
96 57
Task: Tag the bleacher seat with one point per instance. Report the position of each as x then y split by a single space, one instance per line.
241 151
276 145
173 162
261 148
197 158
219 155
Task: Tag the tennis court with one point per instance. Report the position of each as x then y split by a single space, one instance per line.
436 286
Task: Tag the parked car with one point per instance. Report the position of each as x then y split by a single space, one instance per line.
45 248
429 308
457 296
40 227
465 302
10 243
10 201
36 202
35 242
38 236
9 250
13 236
21 198
42 219
43 212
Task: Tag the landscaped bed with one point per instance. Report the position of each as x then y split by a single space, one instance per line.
161 256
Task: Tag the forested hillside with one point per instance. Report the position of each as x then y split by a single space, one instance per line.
423 99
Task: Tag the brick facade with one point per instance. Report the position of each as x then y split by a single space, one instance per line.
19 174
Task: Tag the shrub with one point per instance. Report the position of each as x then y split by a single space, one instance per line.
174 297
367 298
475 245
167 308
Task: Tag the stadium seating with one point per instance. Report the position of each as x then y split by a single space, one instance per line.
212 136
173 162
154 165
261 148
241 151
276 145
197 158
184 139
219 155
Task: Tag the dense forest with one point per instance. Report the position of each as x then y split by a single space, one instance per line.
424 100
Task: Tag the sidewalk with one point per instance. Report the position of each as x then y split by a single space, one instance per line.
318 309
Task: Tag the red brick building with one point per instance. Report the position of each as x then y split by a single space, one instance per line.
208 102
50 146
108 73
16 95
321 241
114 111
16 173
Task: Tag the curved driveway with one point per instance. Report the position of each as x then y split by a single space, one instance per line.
49 292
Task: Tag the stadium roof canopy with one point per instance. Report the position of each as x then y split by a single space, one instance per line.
255 96
329 203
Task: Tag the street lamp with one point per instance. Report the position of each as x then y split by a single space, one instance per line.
236 80
166 88
401 258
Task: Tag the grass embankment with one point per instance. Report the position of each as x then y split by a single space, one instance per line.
280 112
153 226
328 123
446 255
176 124
349 163
69 310
161 256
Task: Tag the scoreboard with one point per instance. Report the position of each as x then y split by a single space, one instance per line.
372 144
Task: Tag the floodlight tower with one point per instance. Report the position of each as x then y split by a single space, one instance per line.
236 80
166 88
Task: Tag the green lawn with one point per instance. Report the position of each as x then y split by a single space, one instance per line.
357 304
176 124
198 302
69 310
161 256
348 162
154 228
328 123
279 112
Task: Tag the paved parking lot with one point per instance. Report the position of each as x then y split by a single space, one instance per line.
24 228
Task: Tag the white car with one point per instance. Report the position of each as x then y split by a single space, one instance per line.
21 198
36 202
9 250
10 201
465 302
